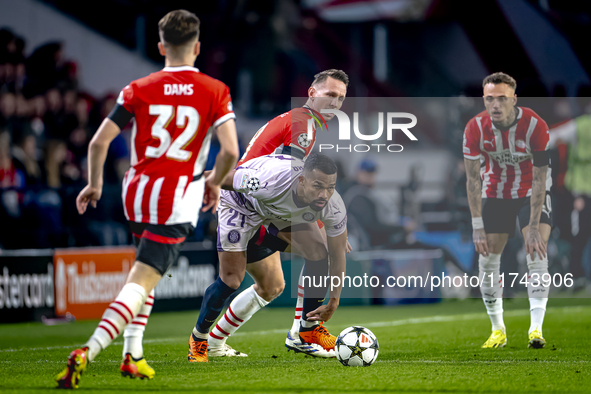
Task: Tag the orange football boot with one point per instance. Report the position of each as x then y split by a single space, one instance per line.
197 351
320 336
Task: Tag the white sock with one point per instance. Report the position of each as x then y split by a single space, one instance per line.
119 314
134 332
536 291
308 324
295 327
496 320
199 335
537 319
239 312
491 290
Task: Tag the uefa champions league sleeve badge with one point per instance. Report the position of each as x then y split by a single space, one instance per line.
253 184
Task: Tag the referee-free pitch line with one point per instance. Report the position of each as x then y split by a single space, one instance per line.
393 323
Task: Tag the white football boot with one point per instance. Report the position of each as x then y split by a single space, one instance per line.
224 351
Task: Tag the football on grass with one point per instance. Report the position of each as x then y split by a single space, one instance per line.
356 347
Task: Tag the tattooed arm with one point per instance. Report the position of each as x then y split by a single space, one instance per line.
474 188
533 241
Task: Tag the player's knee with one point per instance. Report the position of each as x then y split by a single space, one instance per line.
538 264
232 280
490 263
315 251
489 269
270 291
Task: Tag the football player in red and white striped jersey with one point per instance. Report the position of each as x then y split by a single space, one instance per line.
174 110
512 144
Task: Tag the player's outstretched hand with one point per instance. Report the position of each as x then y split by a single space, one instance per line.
322 313
535 243
349 247
479 237
88 195
211 196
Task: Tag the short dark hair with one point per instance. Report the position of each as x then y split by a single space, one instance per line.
500 77
339 75
318 161
178 27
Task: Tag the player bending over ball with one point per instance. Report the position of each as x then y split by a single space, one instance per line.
290 131
284 193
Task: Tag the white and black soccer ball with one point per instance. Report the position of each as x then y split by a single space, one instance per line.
356 346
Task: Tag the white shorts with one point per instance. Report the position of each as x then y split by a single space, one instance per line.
236 224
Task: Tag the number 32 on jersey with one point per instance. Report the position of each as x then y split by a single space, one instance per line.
187 117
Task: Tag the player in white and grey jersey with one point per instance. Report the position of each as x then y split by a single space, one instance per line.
286 194
266 192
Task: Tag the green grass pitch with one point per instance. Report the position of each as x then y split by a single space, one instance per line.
423 348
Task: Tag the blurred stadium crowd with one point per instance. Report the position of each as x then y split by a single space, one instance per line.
45 126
